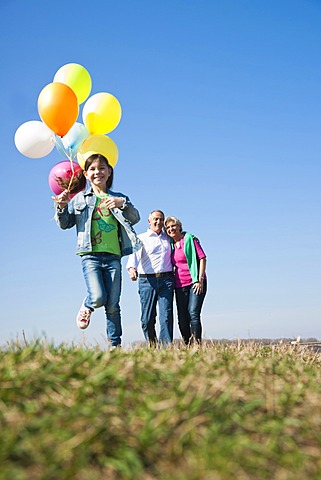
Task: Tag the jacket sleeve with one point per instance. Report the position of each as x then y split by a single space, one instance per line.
129 212
65 218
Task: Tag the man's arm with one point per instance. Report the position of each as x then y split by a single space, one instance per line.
132 264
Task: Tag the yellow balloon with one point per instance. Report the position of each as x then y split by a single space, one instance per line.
98 144
101 113
77 78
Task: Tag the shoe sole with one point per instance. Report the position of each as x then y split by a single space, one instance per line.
82 325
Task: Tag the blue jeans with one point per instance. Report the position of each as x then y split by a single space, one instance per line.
102 273
189 306
159 290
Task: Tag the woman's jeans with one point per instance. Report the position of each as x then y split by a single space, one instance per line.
102 273
189 306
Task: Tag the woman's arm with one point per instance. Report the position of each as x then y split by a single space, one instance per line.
202 269
199 286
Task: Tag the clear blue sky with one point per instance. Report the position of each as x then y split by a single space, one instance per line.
221 127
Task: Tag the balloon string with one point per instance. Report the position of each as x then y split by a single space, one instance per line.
73 171
69 156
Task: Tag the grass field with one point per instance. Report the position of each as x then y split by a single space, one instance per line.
225 411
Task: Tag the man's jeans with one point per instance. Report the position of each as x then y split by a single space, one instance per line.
159 290
102 273
189 306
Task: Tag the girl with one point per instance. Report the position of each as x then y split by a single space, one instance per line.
189 262
104 220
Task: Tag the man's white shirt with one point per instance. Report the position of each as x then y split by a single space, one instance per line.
154 256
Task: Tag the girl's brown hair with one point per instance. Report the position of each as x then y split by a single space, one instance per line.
78 182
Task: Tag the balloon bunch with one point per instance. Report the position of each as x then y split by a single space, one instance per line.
58 108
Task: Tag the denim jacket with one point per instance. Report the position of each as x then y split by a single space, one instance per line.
79 212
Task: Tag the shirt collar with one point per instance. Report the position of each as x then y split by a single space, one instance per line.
151 233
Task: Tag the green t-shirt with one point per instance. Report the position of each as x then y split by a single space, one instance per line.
104 228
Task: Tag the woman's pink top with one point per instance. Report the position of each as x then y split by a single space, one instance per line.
182 276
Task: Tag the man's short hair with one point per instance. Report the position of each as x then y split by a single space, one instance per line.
159 211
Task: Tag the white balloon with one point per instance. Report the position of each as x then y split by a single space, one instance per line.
34 139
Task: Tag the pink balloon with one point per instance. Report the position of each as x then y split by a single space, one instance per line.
61 174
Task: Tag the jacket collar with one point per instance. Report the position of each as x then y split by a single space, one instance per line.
89 190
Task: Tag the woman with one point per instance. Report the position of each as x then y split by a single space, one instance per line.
189 262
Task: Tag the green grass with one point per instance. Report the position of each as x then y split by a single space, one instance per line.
229 410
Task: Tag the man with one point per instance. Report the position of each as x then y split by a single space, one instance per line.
153 267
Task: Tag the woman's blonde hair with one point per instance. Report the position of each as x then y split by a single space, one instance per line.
175 220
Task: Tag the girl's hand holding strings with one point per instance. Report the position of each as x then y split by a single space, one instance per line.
62 199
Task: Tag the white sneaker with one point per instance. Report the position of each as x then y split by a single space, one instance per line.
114 347
83 317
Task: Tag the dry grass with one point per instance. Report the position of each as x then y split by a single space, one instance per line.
227 410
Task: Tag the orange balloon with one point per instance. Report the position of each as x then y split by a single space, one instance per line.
58 107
